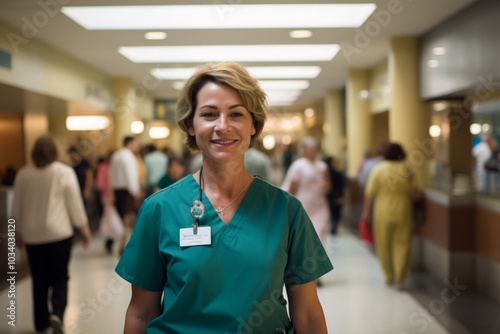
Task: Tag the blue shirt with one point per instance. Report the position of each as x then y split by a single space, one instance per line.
235 284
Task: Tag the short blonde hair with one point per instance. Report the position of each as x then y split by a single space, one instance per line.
229 74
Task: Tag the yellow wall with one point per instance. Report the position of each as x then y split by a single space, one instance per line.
379 80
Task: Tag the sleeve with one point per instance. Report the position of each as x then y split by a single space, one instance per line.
73 198
132 174
307 258
293 174
141 263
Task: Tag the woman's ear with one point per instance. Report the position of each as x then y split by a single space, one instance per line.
191 129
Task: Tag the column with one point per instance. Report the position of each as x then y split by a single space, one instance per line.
409 119
358 119
57 113
333 141
124 108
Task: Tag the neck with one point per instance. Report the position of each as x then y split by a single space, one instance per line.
224 181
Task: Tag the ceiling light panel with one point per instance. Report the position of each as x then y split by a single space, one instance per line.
220 17
284 84
264 72
237 53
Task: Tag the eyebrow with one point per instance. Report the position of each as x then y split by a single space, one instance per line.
210 106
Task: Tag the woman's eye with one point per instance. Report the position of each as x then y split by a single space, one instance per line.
237 114
208 115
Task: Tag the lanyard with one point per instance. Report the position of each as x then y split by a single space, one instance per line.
197 208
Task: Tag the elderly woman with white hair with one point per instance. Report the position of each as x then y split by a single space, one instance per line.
307 179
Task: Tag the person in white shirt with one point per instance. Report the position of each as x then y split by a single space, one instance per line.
156 165
481 153
47 205
124 180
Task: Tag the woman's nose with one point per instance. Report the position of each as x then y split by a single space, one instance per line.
222 123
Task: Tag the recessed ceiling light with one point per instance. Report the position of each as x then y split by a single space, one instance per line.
219 17
263 72
433 63
267 85
155 35
301 33
439 51
87 123
237 53
284 84
159 132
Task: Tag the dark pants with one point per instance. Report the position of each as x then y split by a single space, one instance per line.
49 271
335 212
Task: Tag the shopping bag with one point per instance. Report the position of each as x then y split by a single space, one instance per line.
365 232
111 225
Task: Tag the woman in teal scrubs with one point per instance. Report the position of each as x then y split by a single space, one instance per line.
211 253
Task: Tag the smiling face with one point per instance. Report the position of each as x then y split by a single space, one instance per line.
221 124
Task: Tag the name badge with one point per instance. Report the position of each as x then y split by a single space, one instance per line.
188 238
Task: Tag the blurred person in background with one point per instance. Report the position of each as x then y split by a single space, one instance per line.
336 194
175 172
83 171
156 164
258 163
102 183
394 184
47 205
481 153
124 180
368 164
8 176
308 179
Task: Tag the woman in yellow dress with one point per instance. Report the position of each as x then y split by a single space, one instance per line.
390 187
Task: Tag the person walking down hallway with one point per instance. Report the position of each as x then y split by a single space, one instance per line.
336 194
393 183
156 164
207 252
83 171
307 179
47 204
124 180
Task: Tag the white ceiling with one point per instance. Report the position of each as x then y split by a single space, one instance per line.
100 48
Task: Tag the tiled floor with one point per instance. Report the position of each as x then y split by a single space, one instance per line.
354 297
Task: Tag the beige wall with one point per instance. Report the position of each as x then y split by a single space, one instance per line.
42 69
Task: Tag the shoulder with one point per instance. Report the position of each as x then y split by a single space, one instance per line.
172 191
321 164
273 195
61 167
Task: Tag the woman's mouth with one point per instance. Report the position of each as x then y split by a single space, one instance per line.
223 142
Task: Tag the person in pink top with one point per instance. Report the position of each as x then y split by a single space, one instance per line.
307 179
102 181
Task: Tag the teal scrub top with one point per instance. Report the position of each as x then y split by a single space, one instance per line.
235 284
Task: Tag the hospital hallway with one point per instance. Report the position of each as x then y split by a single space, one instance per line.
354 296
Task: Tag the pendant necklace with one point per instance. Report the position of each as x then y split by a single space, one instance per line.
220 210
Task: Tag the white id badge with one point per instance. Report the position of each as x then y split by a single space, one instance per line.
188 238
